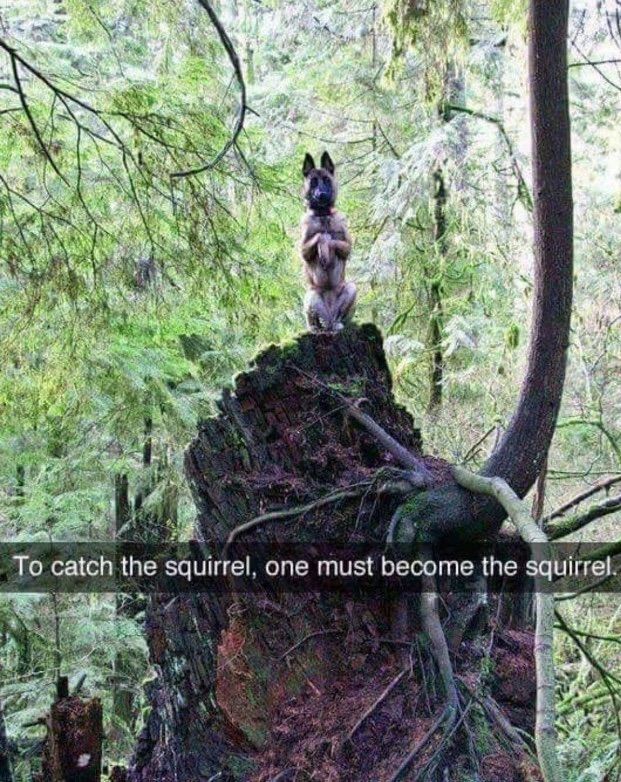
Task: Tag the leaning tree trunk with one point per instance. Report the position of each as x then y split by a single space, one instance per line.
521 453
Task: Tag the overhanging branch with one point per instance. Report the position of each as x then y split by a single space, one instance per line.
241 114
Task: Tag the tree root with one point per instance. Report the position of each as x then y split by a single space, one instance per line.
419 475
376 703
545 735
496 716
449 731
401 486
432 626
316 634
420 745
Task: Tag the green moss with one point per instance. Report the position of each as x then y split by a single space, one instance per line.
240 766
353 387
512 336
414 525
257 735
482 733
488 669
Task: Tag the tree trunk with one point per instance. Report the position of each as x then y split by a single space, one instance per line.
72 751
454 94
521 453
122 694
436 306
122 505
5 755
502 206
524 447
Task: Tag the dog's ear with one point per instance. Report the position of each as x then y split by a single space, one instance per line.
308 165
326 162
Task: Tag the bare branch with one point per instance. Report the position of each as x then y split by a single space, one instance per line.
579 520
241 115
605 483
523 190
31 120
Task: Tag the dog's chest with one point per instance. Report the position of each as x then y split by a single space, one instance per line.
329 224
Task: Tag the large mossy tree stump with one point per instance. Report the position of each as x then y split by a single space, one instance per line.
252 686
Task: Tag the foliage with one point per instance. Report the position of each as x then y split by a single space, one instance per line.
131 295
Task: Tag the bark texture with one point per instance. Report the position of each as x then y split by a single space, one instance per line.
72 751
281 439
249 686
5 759
521 453
523 449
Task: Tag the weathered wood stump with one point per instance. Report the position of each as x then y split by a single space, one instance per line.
72 751
250 686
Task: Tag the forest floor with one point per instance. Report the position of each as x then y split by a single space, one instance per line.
310 736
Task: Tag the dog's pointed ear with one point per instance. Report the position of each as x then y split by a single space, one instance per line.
308 165
326 162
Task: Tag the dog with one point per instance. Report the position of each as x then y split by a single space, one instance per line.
326 245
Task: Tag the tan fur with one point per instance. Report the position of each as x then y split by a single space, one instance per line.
325 248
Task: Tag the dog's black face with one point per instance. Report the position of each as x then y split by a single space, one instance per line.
319 183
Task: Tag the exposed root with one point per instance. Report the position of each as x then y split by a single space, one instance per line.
401 487
496 715
316 634
377 702
433 628
498 718
420 745
545 734
283 775
453 724
420 475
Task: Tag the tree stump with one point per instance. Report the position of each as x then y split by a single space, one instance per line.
252 686
72 751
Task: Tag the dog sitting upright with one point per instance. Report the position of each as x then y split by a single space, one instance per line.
326 245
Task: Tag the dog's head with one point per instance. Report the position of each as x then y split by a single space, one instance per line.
319 183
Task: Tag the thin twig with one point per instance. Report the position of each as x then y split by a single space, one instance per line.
241 115
315 634
376 703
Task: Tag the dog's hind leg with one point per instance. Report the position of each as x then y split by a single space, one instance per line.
317 313
345 305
